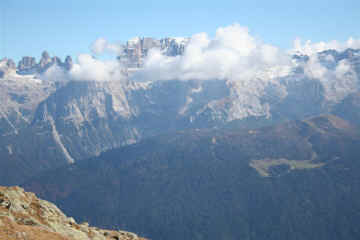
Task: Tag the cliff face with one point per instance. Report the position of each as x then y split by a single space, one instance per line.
24 216
28 65
135 50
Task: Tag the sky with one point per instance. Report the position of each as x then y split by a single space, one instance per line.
69 27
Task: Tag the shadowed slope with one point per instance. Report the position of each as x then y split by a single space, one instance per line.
204 184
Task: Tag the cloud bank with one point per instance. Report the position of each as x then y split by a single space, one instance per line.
232 54
91 69
310 48
102 46
87 68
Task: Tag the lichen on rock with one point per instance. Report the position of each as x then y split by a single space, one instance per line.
24 216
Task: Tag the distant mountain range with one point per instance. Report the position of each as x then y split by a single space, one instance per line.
132 56
46 124
267 158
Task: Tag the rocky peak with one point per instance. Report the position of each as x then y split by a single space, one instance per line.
10 64
6 65
56 60
27 65
24 216
68 63
45 55
136 49
45 60
174 46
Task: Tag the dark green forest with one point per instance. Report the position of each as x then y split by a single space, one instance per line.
297 180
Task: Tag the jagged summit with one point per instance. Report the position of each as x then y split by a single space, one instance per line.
24 216
132 55
6 66
136 49
28 65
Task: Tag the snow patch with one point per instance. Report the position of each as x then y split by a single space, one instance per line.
57 138
10 150
183 110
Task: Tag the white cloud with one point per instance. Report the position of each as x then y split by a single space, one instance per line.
232 54
101 46
310 48
337 81
91 69
343 68
54 73
87 68
314 69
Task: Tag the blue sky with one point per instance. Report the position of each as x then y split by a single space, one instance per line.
68 27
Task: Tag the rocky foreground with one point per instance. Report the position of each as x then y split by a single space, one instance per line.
24 216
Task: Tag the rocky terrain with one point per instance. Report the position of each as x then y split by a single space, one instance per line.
25 217
135 50
28 65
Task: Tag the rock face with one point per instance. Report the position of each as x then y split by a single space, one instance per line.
24 216
173 46
28 65
45 60
68 63
136 49
20 96
11 64
6 66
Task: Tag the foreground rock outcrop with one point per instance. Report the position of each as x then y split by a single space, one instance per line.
24 216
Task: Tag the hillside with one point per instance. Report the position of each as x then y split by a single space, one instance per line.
297 180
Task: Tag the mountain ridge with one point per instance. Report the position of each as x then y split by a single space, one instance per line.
76 120
245 182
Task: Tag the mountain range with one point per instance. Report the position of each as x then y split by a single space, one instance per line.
47 124
271 157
